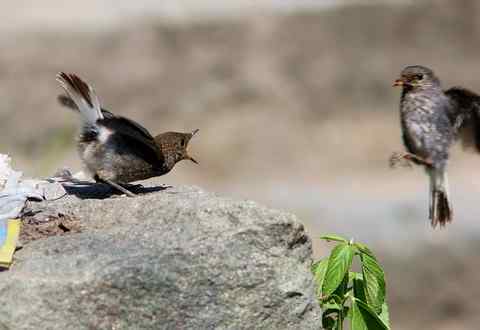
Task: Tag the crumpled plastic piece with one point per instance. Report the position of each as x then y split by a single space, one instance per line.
15 193
12 201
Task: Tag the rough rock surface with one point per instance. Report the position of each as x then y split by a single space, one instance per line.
178 258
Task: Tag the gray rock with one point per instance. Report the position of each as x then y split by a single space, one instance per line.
179 258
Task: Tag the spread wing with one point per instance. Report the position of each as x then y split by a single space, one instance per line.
136 137
464 114
67 102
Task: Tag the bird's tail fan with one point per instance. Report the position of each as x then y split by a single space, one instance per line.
82 97
66 101
441 211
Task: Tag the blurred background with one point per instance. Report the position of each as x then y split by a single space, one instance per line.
295 108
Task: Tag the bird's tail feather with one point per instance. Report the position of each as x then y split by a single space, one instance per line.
67 102
82 97
441 211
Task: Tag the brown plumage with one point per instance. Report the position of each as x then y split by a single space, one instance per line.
117 150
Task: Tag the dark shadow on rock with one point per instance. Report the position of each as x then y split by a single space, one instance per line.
92 190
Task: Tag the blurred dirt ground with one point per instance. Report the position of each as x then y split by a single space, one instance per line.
295 111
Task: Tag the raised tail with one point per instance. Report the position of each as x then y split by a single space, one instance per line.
441 211
66 101
82 96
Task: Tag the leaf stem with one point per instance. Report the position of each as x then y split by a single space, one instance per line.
340 319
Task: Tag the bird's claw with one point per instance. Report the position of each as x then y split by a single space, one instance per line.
400 159
406 159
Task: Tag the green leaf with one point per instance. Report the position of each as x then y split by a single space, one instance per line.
374 282
336 298
316 266
365 307
357 321
341 290
384 316
319 269
359 288
363 249
333 237
339 262
331 305
352 276
364 318
355 275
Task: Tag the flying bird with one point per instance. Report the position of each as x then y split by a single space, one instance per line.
432 119
117 150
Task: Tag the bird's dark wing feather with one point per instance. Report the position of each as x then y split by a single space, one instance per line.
66 101
464 114
131 126
136 138
107 114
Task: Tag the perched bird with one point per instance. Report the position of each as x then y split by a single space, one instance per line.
431 120
117 150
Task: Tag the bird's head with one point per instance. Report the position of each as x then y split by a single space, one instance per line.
174 145
417 77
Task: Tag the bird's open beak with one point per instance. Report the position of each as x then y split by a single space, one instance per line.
398 82
195 131
193 160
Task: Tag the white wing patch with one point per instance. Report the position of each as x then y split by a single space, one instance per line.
104 134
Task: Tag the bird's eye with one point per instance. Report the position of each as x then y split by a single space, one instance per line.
419 76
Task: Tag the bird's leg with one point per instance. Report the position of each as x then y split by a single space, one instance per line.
407 158
120 188
399 158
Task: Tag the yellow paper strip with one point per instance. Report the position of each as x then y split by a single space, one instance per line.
8 248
